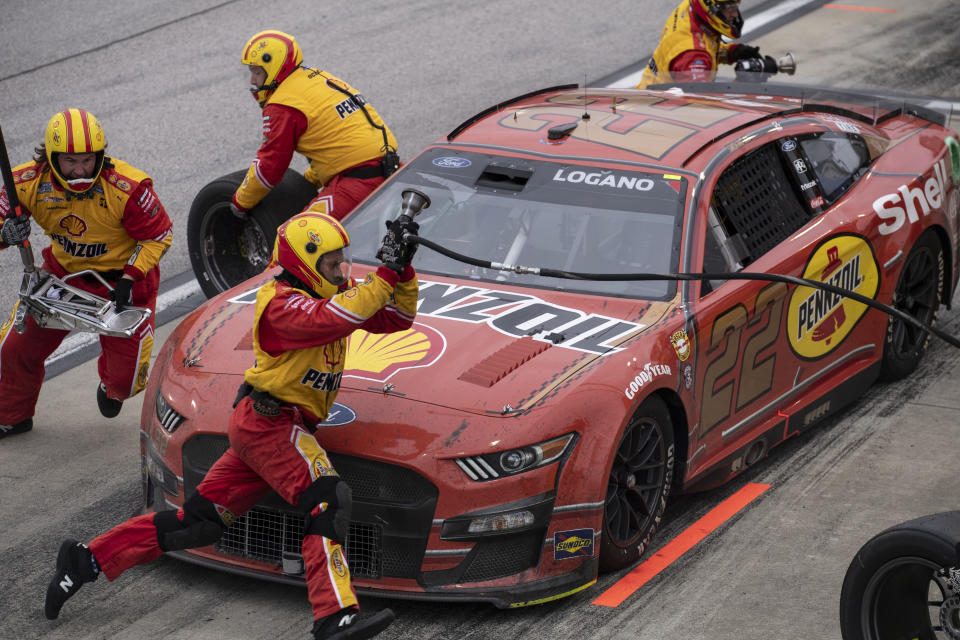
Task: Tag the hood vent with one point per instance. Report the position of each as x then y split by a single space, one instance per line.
494 367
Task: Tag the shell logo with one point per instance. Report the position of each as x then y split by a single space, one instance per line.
73 225
377 356
819 321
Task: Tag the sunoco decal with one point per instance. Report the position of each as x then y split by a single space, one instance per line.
818 321
681 344
573 544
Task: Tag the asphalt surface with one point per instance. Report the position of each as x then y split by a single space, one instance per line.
164 79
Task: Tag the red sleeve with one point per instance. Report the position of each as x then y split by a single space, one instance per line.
692 66
144 217
282 127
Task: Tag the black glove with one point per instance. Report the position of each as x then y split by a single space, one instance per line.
743 51
396 252
15 230
121 294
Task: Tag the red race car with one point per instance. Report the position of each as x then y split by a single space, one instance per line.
529 429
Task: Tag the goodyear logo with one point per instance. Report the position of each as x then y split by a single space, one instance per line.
573 544
818 321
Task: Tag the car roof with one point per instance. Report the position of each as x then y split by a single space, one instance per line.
663 128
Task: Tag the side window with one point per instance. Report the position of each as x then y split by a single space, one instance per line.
754 206
837 160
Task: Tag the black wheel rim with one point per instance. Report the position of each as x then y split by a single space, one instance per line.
636 483
233 250
907 598
917 295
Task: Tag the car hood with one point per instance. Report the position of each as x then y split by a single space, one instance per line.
474 346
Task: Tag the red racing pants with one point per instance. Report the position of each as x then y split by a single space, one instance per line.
264 453
342 193
122 365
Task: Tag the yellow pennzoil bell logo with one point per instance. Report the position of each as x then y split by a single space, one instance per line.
818 321
377 356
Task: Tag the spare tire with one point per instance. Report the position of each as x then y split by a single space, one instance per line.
225 251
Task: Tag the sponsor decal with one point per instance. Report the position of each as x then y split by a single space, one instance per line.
452 162
808 185
123 184
519 315
788 145
321 380
907 204
28 174
338 563
577 543
513 314
226 516
818 321
378 356
799 166
688 376
843 125
681 344
650 371
338 415
350 105
79 249
816 203
45 187
603 179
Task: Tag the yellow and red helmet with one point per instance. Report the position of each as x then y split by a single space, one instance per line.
278 53
711 12
75 131
301 243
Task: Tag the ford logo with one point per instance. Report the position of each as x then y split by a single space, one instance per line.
788 145
339 415
452 162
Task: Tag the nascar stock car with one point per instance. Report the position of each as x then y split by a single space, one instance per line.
527 432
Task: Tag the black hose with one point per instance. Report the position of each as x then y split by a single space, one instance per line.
768 277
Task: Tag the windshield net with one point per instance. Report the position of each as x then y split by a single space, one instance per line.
535 214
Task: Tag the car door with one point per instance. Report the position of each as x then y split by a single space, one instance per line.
765 350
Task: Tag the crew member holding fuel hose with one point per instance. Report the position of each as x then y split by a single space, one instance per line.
302 321
100 214
351 150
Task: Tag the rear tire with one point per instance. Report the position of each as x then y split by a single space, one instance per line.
225 251
638 486
898 585
919 293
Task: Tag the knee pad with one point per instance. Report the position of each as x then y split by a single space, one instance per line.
202 525
334 521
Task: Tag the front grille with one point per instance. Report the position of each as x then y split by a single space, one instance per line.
168 417
381 493
504 556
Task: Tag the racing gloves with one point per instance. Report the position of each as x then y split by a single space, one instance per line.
15 230
747 68
121 294
397 251
742 52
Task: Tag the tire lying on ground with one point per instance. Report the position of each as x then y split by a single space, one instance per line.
224 250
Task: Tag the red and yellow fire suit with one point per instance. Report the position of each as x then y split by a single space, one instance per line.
300 343
689 51
307 114
116 227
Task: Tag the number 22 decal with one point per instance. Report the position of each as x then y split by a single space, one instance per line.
755 375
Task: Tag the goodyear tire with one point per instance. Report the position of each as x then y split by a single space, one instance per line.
919 293
899 583
225 251
638 486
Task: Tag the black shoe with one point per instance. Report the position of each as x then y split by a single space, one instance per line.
109 408
347 624
11 430
74 568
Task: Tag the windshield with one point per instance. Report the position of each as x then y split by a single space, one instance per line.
535 214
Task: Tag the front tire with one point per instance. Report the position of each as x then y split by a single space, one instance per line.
900 584
919 293
638 486
225 251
